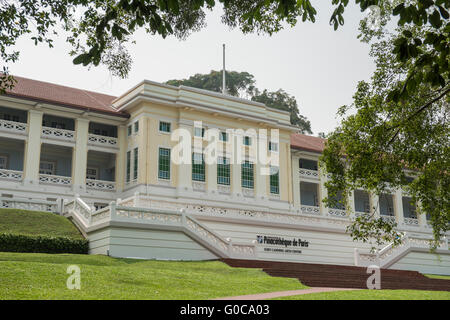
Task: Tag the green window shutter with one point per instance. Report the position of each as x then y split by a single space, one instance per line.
247 175
164 164
274 180
136 163
164 126
198 167
128 166
223 171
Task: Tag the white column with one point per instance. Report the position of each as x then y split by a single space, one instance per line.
79 156
261 180
184 170
375 204
211 154
236 184
33 147
422 217
295 182
351 203
121 157
211 177
323 192
398 207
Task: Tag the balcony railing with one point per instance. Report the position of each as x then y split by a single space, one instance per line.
310 209
411 221
103 141
11 175
56 180
199 186
100 185
13 127
60 134
307 173
340 213
390 219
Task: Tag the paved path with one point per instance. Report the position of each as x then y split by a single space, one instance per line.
270 295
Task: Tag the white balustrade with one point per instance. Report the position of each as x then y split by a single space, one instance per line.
103 141
307 173
100 185
26 204
310 209
56 133
224 189
411 221
13 126
199 186
11 175
53 179
206 234
340 213
247 192
390 219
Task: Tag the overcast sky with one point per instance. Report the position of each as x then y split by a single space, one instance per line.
316 64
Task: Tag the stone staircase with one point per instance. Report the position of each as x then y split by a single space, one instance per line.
336 276
122 214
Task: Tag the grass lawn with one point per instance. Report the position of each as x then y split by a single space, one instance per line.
36 223
43 276
436 276
373 295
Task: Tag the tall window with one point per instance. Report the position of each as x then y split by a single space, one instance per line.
129 130
92 173
136 126
247 174
3 162
274 180
223 136
409 208
164 164
47 167
198 167
199 132
273 146
223 171
247 141
128 166
386 204
136 162
164 126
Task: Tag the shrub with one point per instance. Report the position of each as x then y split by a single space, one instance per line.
42 244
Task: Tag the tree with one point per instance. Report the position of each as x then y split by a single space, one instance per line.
283 101
99 30
390 143
238 84
242 84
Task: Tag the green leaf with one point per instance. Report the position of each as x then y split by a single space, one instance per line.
82 58
435 19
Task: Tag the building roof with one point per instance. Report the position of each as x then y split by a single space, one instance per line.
307 143
66 96
98 102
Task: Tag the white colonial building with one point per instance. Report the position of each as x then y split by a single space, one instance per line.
105 162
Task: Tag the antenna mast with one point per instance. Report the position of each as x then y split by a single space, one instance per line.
224 88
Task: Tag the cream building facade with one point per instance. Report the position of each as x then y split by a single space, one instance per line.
106 163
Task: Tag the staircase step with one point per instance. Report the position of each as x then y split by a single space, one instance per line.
323 275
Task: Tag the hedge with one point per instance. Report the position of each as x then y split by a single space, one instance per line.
42 244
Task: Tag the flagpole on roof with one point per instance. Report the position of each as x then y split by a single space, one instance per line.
224 88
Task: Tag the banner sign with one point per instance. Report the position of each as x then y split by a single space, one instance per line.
290 245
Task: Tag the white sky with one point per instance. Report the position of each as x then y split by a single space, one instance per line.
316 64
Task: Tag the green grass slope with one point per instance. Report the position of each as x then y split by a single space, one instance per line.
37 223
373 295
44 276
